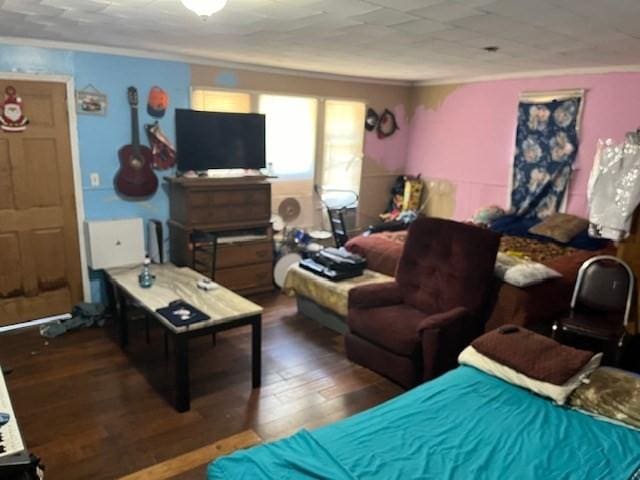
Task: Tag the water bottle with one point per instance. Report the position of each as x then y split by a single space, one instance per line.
145 279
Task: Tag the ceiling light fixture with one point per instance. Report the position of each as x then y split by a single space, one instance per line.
204 8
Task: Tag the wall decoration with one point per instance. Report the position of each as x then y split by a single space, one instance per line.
371 120
12 118
135 179
91 101
387 125
546 146
164 153
158 102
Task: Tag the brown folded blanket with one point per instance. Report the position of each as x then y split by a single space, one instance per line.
531 354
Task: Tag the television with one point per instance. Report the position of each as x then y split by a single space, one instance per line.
210 140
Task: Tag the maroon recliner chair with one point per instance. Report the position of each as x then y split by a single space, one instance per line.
413 329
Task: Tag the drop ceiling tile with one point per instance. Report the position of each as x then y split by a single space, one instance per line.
404 5
410 39
29 7
86 6
420 27
445 12
475 3
384 16
345 7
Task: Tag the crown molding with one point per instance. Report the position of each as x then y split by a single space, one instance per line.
197 60
528 74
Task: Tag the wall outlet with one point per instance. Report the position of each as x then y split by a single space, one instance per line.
94 178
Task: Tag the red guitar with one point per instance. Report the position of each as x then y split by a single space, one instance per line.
135 178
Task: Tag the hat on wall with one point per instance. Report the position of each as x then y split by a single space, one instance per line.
158 102
371 120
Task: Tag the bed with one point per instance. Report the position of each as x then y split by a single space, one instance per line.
466 424
535 306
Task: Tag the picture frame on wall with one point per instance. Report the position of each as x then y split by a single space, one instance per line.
91 101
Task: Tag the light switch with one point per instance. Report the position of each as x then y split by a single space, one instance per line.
94 178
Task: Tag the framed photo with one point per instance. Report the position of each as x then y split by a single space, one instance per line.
90 101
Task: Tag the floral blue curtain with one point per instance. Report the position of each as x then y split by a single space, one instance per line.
546 146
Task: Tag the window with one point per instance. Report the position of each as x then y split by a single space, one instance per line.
220 101
343 146
290 134
292 140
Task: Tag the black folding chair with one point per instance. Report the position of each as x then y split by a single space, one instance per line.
338 227
601 303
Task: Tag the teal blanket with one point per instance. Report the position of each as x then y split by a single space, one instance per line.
463 425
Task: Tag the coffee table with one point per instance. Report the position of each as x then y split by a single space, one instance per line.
226 309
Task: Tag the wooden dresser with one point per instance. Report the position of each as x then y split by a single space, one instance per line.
238 211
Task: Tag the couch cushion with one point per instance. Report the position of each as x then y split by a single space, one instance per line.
394 327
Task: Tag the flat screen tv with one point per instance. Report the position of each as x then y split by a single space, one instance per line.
209 140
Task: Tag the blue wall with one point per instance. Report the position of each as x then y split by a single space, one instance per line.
100 137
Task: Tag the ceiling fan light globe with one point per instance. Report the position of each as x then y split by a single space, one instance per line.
204 8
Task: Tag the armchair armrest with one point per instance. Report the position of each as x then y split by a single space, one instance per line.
444 336
375 295
441 320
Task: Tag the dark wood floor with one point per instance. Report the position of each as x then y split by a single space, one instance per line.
92 411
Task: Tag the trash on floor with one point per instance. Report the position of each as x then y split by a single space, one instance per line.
84 315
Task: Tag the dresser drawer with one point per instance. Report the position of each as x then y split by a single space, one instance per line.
246 277
229 214
230 255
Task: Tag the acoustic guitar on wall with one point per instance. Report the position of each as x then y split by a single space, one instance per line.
135 177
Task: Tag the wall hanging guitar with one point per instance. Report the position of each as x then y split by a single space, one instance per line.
135 178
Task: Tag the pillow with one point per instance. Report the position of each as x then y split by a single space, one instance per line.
558 393
560 227
486 215
522 273
610 393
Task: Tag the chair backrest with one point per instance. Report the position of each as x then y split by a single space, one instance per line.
604 284
338 227
446 264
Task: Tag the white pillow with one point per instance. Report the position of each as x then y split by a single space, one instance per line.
558 393
522 273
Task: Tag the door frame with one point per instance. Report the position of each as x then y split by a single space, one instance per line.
75 161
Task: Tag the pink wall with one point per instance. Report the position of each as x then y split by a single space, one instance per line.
391 152
469 139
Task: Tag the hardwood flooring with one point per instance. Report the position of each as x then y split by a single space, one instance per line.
93 411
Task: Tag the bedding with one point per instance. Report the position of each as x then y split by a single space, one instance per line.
531 306
561 227
519 227
558 393
610 393
464 425
534 355
522 273
331 295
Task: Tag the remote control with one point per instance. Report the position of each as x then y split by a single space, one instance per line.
206 285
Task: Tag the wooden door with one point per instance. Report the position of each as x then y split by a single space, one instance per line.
39 251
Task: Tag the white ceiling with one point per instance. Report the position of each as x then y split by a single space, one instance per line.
387 39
